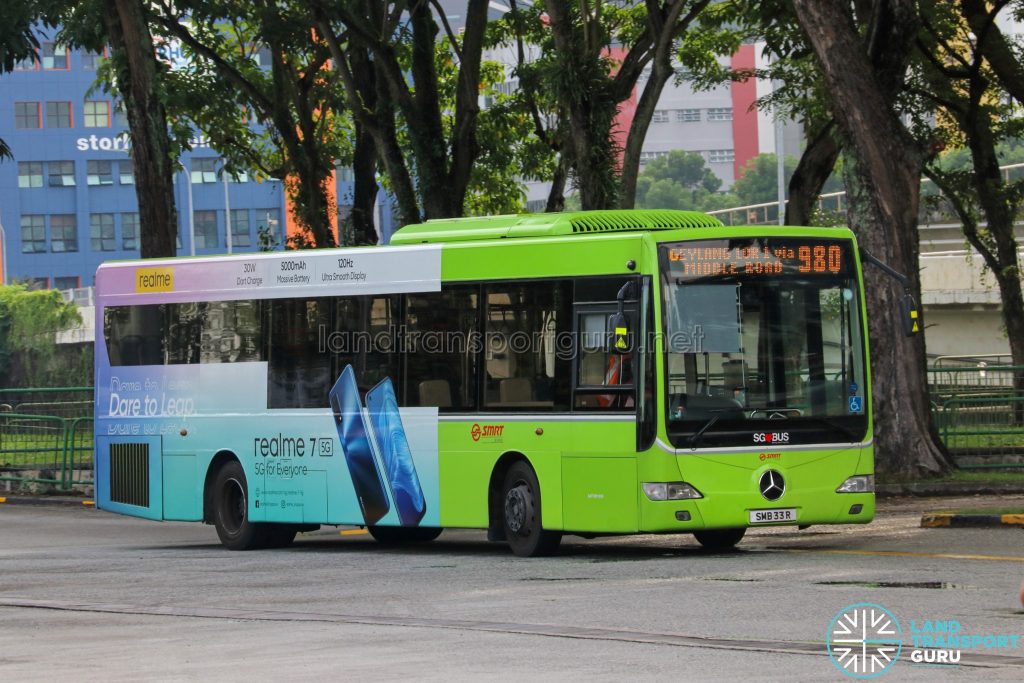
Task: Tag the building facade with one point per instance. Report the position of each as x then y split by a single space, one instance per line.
67 199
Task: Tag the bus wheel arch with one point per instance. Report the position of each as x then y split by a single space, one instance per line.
226 506
495 510
219 460
514 507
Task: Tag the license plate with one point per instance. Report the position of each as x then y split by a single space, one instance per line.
773 516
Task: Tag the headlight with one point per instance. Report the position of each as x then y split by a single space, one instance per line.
863 483
672 490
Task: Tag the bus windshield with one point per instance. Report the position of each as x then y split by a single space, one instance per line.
764 342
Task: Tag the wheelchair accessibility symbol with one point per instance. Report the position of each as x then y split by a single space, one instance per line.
856 404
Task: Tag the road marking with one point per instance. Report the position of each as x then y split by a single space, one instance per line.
902 553
353 532
973 659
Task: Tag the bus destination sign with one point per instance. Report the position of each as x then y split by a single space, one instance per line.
754 258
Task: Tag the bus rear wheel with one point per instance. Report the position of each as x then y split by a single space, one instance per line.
231 511
719 539
521 514
403 535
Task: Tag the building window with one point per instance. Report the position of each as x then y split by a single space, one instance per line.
96 114
687 115
345 174
58 115
26 115
120 115
268 227
240 234
721 156
33 234
91 60
69 282
130 231
659 116
204 171
101 232
62 173
55 57
30 174
720 114
237 177
30 63
651 156
36 284
99 173
206 229
63 233
127 168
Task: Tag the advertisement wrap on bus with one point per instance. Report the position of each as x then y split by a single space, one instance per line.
386 466
583 373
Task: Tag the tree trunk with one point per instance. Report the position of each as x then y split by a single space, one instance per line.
816 165
589 108
661 71
882 172
136 65
556 195
364 195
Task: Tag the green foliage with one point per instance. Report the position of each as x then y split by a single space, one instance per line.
681 180
29 322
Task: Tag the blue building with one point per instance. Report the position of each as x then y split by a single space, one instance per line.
67 200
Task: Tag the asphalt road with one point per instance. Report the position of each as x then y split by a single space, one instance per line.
87 595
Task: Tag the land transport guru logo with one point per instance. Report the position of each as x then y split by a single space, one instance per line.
865 640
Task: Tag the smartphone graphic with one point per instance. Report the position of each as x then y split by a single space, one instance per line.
393 446
355 443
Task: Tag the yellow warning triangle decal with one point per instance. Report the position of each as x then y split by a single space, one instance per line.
915 328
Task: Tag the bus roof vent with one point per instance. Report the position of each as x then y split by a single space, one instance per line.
549 225
608 221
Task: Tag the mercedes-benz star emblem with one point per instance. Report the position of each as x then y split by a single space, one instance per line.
772 485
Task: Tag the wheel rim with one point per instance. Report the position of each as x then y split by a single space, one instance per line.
232 505
516 510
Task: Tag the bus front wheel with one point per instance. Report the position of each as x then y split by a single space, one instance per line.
719 539
231 510
521 514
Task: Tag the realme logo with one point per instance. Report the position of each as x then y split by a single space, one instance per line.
154 279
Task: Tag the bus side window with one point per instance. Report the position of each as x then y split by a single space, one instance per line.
298 374
441 358
524 369
134 335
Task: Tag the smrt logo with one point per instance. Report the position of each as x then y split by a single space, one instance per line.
486 431
770 456
771 437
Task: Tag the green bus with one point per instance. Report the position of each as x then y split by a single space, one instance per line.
589 373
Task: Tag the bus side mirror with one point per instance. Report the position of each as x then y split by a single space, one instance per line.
622 335
909 315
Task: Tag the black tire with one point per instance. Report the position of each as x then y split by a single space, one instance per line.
231 511
404 535
520 514
719 539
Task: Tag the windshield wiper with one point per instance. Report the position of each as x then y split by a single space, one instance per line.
699 434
